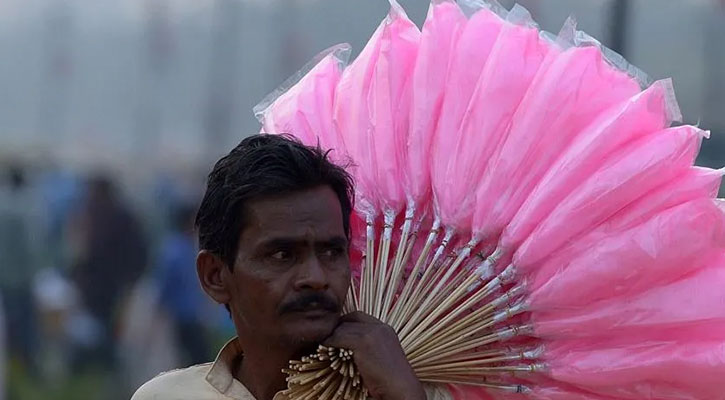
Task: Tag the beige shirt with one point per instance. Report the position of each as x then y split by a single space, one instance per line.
214 381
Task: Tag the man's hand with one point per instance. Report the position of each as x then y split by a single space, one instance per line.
378 357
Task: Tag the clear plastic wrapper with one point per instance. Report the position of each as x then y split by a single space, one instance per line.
687 369
471 53
664 248
622 178
442 28
371 110
302 106
694 184
571 89
645 113
465 149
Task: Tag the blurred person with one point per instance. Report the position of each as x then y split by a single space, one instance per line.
17 267
180 295
2 350
109 257
274 230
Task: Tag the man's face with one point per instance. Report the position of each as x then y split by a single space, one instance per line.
292 270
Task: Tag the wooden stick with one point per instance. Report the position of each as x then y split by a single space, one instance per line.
422 288
456 281
421 308
409 291
396 320
498 336
502 387
312 393
348 391
475 355
325 382
450 316
480 294
393 279
296 391
480 370
422 325
355 298
455 334
369 262
383 280
342 388
330 388
390 308
315 365
307 377
470 363
375 279
350 302
382 263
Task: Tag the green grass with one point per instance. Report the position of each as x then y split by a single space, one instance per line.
87 386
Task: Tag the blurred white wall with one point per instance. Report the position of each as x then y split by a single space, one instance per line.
149 83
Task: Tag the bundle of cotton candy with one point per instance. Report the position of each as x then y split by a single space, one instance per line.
541 229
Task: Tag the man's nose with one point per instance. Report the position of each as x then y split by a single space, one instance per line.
311 274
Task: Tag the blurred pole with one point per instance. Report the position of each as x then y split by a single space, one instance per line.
224 64
713 155
619 24
292 38
157 54
58 71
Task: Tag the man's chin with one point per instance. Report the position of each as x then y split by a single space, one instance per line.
311 328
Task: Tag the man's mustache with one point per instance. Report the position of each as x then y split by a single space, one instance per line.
310 301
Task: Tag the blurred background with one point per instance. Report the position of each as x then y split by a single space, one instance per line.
114 112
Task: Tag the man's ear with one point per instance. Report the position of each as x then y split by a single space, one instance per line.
211 271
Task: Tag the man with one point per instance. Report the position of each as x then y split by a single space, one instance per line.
2 350
179 293
107 241
18 266
274 229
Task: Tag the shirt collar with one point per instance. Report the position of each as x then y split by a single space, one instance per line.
221 377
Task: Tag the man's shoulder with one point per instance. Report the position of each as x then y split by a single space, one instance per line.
180 384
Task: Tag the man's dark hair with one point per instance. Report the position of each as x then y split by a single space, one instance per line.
263 165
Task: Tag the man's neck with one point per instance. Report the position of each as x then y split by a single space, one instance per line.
261 370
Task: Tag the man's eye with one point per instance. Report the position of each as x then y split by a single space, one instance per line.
281 255
332 253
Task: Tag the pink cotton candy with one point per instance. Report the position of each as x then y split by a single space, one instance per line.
511 66
636 169
304 110
695 183
669 370
551 392
691 304
471 392
645 113
372 108
390 94
662 249
667 342
468 59
441 31
566 95
616 245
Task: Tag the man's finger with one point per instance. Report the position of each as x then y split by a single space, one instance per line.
359 316
347 335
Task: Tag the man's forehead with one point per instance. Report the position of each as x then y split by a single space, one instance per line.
315 211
